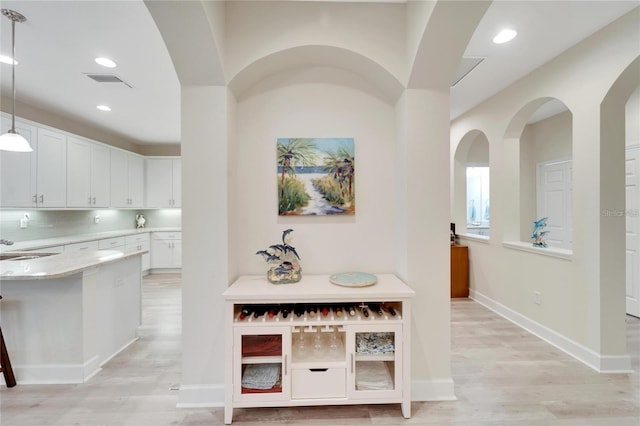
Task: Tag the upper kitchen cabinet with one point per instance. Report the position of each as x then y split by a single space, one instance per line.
87 173
51 179
163 182
127 179
38 178
18 169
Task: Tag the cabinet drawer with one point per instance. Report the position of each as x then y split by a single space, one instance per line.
136 239
166 235
85 246
318 383
111 243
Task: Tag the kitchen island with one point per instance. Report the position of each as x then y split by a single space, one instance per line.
64 315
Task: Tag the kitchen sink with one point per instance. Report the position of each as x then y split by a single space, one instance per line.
23 256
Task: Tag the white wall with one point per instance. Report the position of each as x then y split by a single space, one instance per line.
632 121
312 103
258 29
573 310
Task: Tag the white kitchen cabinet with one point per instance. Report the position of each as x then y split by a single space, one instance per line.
163 180
139 242
18 170
38 178
52 169
126 179
166 250
315 343
87 173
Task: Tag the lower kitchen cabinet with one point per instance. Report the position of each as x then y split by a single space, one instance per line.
317 344
139 242
166 250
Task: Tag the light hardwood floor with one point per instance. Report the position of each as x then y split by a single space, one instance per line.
503 376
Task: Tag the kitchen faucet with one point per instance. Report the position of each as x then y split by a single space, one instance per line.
6 242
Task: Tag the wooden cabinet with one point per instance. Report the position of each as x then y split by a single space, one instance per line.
87 173
127 179
163 179
459 271
314 343
166 250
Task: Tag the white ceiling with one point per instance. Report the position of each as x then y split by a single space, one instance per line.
60 39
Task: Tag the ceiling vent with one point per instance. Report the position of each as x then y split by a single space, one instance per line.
467 65
107 78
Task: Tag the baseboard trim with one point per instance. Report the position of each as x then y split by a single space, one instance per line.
594 360
200 396
49 374
433 390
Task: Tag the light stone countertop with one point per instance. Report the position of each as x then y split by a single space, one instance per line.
71 239
60 265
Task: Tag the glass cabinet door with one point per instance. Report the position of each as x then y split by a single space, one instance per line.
262 373
375 357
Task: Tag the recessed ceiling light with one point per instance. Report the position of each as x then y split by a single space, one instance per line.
104 108
7 60
106 62
505 36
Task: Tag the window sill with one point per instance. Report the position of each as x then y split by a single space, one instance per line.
548 251
474 237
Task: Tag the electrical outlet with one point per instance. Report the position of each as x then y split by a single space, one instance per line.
119 282
537 298
23 223
96 219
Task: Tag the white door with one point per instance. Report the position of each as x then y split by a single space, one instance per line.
632 230
554 200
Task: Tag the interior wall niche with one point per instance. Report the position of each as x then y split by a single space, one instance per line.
545 173
472 206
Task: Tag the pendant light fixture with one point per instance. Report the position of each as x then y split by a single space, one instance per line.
12 141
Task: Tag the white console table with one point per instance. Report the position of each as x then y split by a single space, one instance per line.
316 343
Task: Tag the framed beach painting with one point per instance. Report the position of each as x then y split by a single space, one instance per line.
316 176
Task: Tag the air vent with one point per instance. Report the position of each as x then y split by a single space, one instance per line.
467 65
107 78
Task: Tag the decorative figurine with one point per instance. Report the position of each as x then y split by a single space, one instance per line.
140 221
539 234
284 261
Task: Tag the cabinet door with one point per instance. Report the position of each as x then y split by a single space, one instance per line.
159 182
78 172
375 361
119 178
261 364
161 254
52 169
18 169
177 183
176 254
100 181
136 180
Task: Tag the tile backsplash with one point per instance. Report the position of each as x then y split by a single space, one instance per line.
61 223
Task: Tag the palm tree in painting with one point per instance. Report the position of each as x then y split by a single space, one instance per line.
341 166
297 152
291 154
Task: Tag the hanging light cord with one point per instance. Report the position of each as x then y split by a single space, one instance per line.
13 16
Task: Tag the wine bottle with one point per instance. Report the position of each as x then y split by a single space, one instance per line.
245 312
285 311
375 307
298 309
